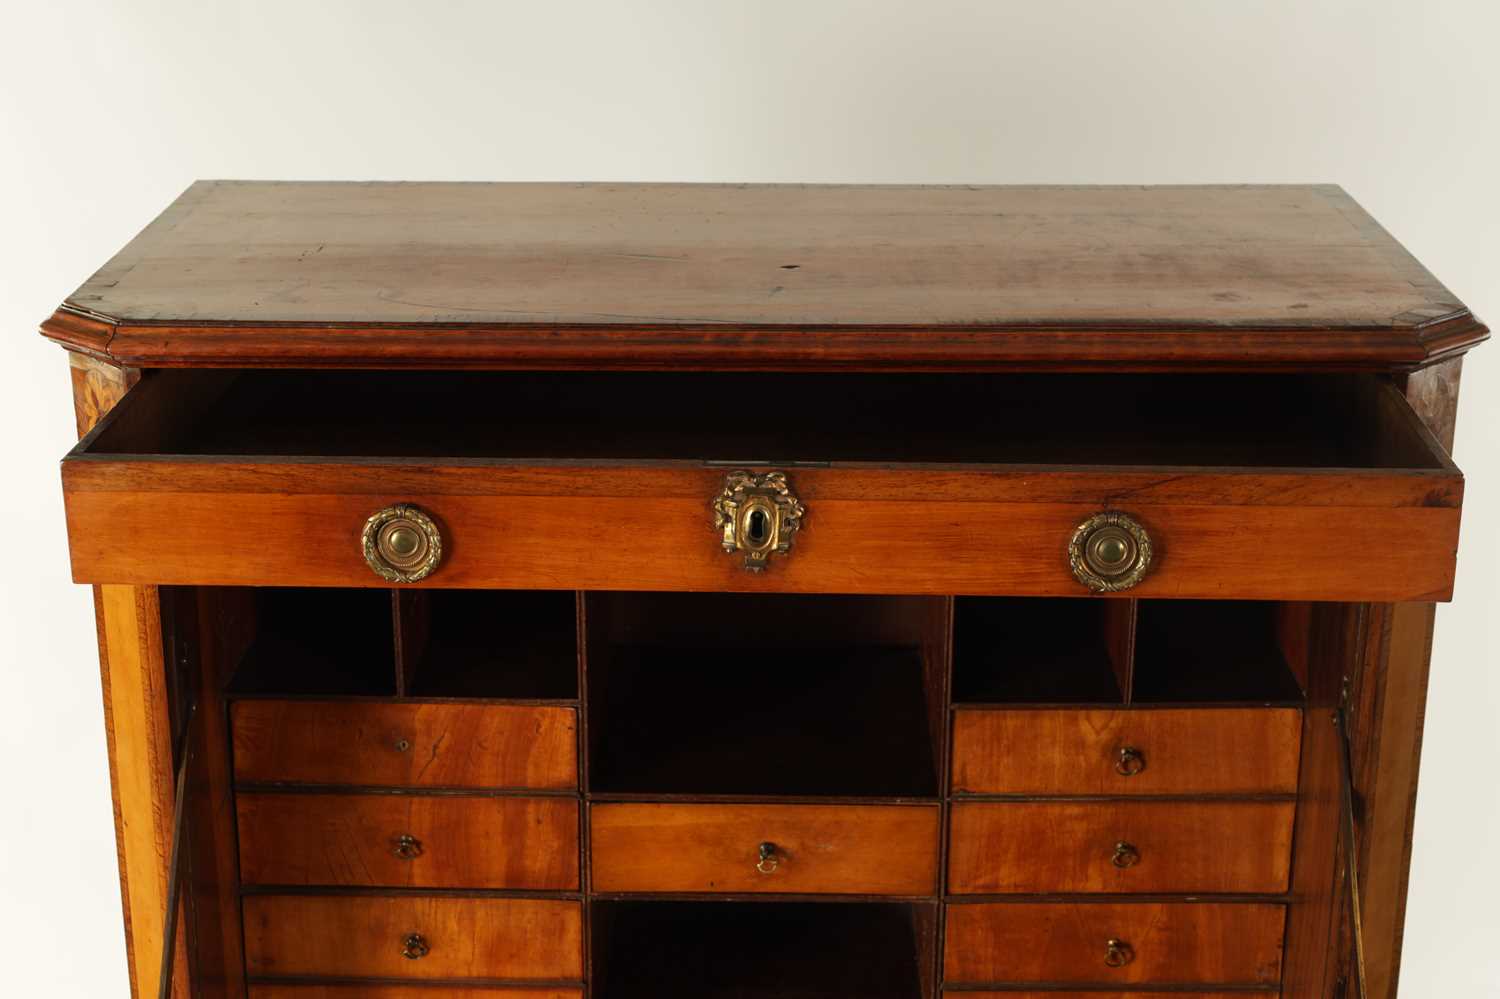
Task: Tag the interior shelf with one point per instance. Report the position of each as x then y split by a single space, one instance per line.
1037 650
792 721
758 950
510 644
1195 420
1211 650
765 694
318 641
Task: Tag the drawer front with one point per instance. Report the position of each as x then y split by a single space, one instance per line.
370 937
836 849
405 744
1185 943
1167 751
1115 846
171 522
408 841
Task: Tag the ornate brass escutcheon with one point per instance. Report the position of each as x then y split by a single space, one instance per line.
1109 552
402 544
757 515
1126 855
414 946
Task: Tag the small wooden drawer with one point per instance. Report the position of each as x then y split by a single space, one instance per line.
413 937
1120 846
1114 944
258 478
816 849
409 841
405 744
1127 751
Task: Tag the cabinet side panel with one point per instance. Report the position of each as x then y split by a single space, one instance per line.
1389 715
1313 963
137 723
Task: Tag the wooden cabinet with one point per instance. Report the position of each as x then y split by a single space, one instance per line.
667 591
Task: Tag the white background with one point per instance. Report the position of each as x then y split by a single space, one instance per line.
107 111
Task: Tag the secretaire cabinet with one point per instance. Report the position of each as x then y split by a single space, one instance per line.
625 591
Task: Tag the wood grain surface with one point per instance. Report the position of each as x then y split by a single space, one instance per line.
761 276
1180 943
1061 847
405 744
460 841
213 538
362 936
1074 751
837 849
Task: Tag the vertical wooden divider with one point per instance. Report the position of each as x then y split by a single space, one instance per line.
943 760
1120 616
1311 964
410 619
585 866
222 622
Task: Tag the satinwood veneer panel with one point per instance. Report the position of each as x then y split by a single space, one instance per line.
1184 943
364 937
409 840
817 849
1120 846
405 744
1077 751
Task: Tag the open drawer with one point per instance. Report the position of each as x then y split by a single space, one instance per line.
1253 486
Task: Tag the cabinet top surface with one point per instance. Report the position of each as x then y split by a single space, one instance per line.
758 276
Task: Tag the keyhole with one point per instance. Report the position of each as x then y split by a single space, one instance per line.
757 528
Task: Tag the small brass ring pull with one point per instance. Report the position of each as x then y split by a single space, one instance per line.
1109 552
757 515
1118 953
414 946
1129 761
769 859
402 544
1126 855
407 847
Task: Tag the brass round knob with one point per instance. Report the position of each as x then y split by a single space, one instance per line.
1126 855
1129 761
414 946
769 859
407 847
1109 552
402 544
1118 953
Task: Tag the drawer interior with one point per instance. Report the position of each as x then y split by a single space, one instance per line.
758 950
1198 420
475 644
767 694
1043 650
